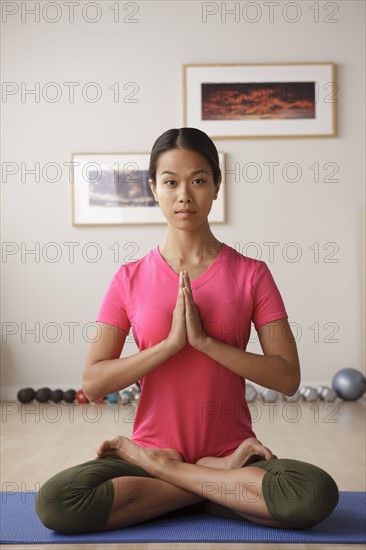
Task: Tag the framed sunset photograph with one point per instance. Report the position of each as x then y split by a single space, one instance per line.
261 101
113 189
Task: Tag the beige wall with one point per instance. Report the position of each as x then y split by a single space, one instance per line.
324 300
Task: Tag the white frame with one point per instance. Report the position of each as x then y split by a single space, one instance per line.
323 74
85 214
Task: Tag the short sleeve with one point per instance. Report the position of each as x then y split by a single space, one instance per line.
112 310
267 301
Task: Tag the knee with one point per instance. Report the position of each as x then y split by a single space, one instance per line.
55 508
317 499
301 495
66 506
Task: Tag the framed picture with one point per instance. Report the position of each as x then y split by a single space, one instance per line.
261 101
113 189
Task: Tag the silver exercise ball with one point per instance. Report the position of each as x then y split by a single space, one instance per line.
350 384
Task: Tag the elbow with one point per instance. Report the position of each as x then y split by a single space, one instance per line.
87 390
291 390
90 393
291 387
292 383
90 390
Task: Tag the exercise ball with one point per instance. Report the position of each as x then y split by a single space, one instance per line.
69 396
56 396
350 384
26 395
43 395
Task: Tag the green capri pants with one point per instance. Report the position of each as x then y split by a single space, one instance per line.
79 499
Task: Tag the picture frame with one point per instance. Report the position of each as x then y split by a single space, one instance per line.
278 100
112 189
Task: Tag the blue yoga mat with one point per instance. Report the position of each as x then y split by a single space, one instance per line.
347 524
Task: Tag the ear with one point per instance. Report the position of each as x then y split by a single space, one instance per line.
217 188
153 187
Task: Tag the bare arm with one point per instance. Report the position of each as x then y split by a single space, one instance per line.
277 369
106 372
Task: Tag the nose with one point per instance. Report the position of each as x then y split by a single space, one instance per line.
184 194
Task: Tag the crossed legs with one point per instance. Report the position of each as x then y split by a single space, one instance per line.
129 484
175 483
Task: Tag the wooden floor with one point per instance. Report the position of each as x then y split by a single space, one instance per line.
38 440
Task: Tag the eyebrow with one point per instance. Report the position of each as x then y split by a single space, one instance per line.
202 171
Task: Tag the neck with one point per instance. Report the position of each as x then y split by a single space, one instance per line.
190 247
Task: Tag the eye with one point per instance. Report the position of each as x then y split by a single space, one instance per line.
199 181
169 183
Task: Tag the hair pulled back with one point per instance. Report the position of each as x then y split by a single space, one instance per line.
185 138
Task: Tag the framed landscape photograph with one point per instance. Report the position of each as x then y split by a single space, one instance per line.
261 100
113 189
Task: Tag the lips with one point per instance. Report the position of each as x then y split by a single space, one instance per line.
186 211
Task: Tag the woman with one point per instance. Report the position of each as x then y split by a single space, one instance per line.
190 302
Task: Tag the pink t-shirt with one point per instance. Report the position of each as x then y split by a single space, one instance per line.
192 403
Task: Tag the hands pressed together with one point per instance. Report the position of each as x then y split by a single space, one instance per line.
186 325
186 328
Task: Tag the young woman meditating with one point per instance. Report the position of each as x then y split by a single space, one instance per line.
190 302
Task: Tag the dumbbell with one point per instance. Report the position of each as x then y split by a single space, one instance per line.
125 396
308 393
134 390
269 396
81 398
292 398
112 397
132 393
326 393
250 393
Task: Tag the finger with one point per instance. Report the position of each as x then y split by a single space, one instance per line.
187 286
189 303
180 295
182 300
185 294
187 280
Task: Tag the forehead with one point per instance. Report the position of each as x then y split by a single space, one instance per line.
181 161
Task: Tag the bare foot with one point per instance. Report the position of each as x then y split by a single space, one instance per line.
122 447
248 451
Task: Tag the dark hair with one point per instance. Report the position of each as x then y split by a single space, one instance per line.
185 138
